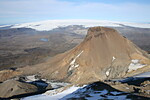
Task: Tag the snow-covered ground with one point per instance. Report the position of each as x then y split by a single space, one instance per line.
94 91
51 24
53 94
95 95
87 92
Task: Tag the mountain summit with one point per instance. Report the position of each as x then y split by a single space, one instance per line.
104 54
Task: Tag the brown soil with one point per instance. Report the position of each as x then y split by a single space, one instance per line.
7 74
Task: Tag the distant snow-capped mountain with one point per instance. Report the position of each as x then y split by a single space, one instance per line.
51 24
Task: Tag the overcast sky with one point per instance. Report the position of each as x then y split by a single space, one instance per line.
20 11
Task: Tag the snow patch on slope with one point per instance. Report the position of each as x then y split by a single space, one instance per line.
107 72
134 65
113 58
31 78
73 63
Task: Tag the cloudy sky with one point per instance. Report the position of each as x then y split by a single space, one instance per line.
20 11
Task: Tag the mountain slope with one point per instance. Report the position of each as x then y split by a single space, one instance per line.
104 54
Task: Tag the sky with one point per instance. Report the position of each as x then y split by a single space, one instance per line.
22 11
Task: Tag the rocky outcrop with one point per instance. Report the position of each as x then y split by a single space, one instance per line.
13 88
7 74
139 86
104 54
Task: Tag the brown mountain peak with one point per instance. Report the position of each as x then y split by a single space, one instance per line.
104 54
98 31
